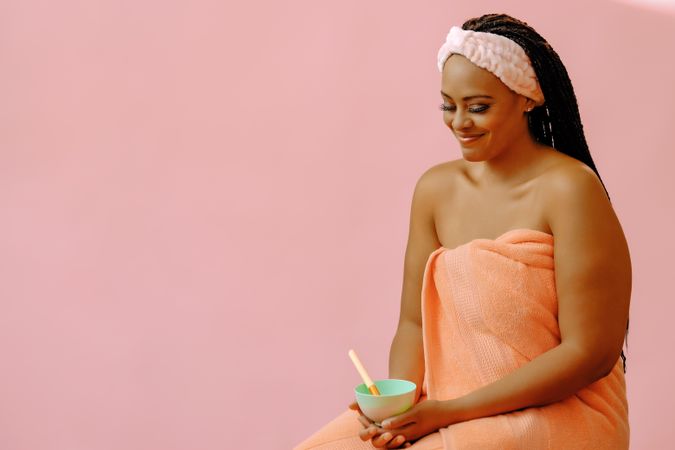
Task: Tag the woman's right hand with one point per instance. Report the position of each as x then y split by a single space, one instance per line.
380 437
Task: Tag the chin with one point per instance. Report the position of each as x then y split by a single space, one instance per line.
475 152
472 156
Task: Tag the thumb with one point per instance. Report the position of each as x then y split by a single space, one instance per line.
398 421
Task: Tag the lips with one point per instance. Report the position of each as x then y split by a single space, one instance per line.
466 138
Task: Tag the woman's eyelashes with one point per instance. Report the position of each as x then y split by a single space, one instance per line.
478 109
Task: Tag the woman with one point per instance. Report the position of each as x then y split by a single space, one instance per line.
517 273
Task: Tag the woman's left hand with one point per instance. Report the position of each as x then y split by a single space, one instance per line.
423 418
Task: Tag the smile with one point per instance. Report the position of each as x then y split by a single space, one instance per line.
468 139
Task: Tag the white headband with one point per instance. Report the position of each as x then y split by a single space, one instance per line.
498 54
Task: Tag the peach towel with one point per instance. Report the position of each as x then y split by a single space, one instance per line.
489 307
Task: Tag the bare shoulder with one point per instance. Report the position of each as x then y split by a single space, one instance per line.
422 240
567 173
572 190
580 214
436 180
443 168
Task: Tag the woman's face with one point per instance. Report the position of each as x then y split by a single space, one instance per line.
483 113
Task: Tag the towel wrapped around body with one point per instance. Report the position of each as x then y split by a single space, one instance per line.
489 307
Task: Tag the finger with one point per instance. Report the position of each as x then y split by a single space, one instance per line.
382 440
355 407
398 421
364 421
396 442
367 433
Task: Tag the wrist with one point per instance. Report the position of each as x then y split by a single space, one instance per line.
451 411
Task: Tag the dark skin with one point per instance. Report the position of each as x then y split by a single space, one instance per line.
507 180
380 438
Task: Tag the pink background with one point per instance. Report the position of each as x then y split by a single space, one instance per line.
204 207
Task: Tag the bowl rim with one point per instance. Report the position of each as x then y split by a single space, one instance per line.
368 394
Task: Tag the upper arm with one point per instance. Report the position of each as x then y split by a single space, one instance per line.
592 267
422 241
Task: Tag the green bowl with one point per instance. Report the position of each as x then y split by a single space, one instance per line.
397 396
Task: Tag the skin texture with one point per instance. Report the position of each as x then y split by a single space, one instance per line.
506 180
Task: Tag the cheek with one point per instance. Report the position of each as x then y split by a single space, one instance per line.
494 124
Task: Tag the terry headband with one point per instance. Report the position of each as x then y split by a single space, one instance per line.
498 54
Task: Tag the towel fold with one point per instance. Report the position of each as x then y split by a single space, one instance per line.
488 307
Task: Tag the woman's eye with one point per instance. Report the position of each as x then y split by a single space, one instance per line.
479 109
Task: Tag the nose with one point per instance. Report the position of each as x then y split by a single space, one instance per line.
461 120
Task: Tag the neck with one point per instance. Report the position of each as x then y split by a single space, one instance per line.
513 165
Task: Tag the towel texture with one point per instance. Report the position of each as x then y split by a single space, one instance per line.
489 307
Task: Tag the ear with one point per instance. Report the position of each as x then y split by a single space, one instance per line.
529 104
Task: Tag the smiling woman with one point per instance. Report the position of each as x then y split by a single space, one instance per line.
517 276
477 104
480 106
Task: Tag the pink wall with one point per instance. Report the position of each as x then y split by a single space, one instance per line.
203 208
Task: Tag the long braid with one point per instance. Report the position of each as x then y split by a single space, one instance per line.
557 123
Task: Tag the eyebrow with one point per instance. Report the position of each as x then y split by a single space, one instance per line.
469 97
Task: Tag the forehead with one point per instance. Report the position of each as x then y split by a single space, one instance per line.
461 77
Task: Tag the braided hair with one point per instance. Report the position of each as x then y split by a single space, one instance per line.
557 122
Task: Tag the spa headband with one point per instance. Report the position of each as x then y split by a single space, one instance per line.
498 54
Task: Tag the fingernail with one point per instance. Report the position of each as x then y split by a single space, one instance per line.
399 439
386 424
386 436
